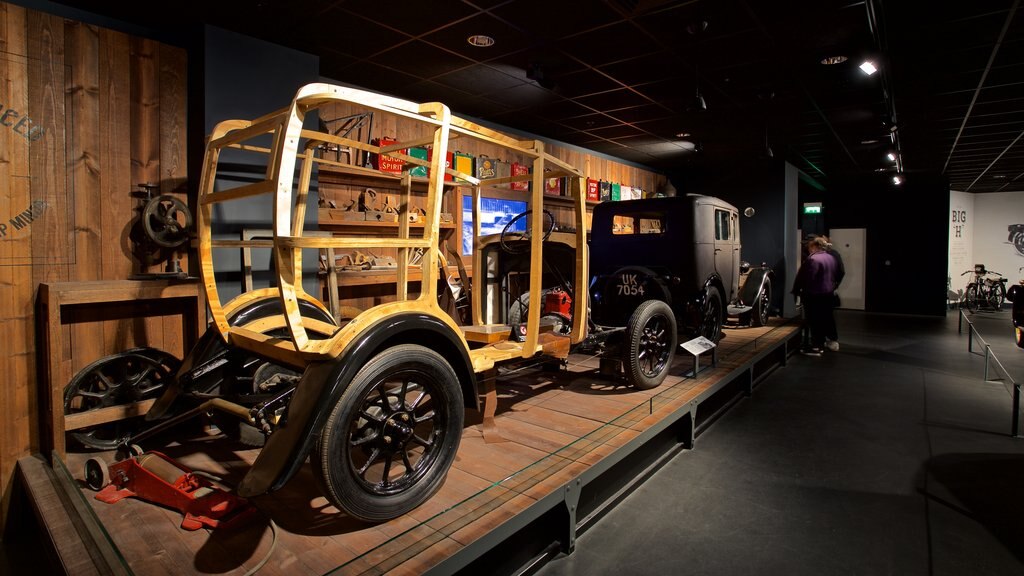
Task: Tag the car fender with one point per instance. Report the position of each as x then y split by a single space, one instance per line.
756 279
323 383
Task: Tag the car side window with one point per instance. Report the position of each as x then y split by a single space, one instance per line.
638 223
722 225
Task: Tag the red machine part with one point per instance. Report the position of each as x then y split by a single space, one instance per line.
557 301
156 478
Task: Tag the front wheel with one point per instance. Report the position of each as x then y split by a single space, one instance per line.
1019 333
650 344
762 307
392 436
971 297
711 316
1018 242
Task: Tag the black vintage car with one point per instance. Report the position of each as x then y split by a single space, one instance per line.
667 266
1016 295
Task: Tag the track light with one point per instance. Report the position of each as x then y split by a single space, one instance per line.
897 180
891 157
868 67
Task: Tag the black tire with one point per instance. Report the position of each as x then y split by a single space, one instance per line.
119 379
971 297
367 439
711 316
1018 242
650 345
1019 335
762 306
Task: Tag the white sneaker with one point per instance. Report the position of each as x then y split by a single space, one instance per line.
832 345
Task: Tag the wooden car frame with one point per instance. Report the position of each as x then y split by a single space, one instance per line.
376 400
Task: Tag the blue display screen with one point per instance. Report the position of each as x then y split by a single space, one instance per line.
495 213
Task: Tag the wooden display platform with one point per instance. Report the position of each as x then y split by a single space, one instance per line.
573 441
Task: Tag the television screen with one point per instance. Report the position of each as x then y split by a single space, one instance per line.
495 213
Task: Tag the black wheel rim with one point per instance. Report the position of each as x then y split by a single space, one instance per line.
398 433
116 380
765 303
712 322
654 347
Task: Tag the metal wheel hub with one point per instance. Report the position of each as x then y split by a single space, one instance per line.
653 348
396 431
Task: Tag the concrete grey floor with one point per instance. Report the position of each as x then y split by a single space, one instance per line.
891 456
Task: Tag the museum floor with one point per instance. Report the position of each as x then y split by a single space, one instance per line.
891 456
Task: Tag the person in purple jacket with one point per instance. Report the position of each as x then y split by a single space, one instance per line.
814 285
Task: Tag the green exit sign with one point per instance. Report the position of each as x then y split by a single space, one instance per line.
812 208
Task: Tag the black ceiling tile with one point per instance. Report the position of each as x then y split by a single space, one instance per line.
526 95
583 82
352 35
372 77
641 69
552 20
616 42
421 60
588 122
455 37
612 100
561 109
616 131
427 91
481 107
643 113
478 79
412 18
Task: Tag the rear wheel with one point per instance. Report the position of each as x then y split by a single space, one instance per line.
711 316
117 380
762 306
996 295
971 297
392 436
1018 242
650 344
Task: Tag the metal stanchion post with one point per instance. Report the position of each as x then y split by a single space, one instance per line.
1016 410
988 352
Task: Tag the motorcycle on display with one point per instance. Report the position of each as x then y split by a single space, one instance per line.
1016 295
1016 237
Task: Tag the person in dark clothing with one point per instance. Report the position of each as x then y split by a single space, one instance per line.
815 286
832 332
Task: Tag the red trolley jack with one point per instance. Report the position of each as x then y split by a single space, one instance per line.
156 478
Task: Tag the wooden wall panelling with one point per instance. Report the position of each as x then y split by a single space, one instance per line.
145 155
75 83
83 43
14 184
115 179
172 139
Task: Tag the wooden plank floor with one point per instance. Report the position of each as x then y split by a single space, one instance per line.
555 425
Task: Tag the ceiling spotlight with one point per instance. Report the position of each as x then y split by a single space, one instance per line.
869 141
868 67
683 135
832 60
897 180
480 40
891 157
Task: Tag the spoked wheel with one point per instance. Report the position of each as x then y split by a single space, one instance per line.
120 379
167 221
1018 242
516 241
391 438
762 307
971 297
711 316
650 344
